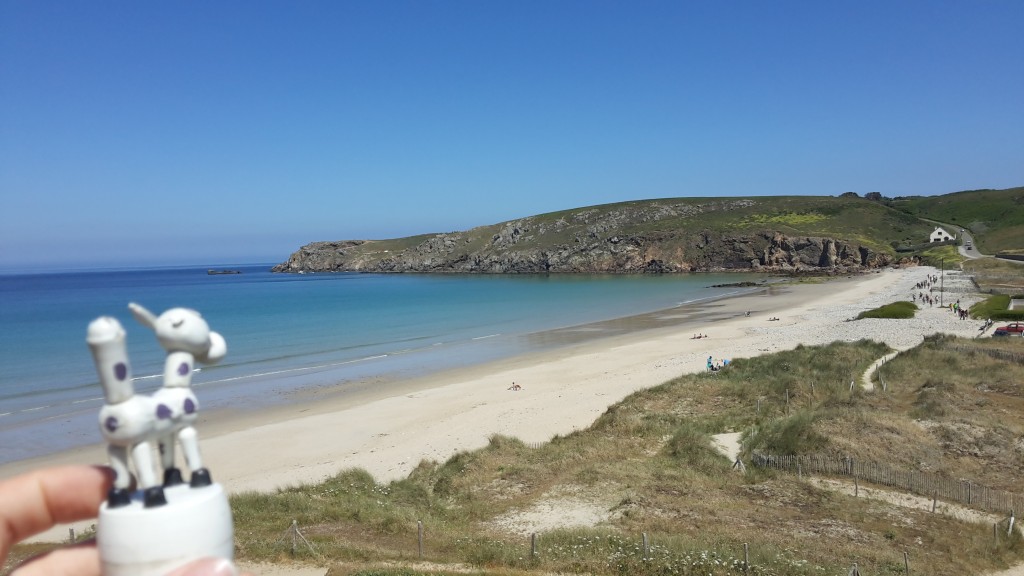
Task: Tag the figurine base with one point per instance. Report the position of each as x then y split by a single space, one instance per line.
195 523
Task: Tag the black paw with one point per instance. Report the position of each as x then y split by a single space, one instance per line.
200 478
118 497
153 497
172 477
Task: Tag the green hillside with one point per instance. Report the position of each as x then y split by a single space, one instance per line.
870 223
994 217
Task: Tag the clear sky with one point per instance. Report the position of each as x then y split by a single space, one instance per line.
206 132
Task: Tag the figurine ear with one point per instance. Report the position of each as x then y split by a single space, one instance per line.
218 349
145 317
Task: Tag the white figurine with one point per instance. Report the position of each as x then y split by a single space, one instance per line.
128 422
187 339
166 526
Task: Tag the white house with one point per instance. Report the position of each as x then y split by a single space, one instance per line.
940 235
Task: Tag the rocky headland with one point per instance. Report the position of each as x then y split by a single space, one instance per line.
653 237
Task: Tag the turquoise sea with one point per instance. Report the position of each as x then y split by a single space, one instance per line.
288 333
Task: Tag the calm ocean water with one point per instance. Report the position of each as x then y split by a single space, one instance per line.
286 332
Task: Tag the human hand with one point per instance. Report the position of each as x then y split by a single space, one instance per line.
34 502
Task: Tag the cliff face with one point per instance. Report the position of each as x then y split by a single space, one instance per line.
513 247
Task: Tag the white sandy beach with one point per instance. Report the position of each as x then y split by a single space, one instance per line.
389 431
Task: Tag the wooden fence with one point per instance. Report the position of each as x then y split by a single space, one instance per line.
926 484
996 353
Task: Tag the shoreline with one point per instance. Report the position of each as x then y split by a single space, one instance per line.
389 430
43 418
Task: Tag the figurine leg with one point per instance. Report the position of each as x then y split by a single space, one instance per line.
190 446
119 494
153 493
172 474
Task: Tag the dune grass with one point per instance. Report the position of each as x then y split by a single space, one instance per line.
646 467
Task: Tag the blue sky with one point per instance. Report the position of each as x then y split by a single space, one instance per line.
158 132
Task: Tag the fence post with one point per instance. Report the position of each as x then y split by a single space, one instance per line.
295 533
746 558
647 547
906 563
935 499
419 538
533 546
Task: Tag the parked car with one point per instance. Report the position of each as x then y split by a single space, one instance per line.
1012 329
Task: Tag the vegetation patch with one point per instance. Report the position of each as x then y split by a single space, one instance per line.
896 310
793 219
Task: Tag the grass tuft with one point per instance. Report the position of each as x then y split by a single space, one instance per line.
896 310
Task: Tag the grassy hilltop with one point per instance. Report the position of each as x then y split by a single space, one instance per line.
767 233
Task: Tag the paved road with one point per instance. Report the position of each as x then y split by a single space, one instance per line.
965 240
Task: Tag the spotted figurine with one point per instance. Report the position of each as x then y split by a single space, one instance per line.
187 339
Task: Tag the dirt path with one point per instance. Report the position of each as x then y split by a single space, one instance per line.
865 380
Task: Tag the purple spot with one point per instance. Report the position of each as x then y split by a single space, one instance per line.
190 406
110 424
163 412
121 370
183 369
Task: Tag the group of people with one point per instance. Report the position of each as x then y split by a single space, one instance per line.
716 365
925 298
698 336
925 284
960 311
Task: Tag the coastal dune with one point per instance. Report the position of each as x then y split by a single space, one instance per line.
389 428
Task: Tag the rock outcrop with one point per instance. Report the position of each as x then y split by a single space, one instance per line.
510 250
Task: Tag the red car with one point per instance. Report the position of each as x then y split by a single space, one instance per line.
1012 329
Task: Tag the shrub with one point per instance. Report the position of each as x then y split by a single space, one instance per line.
895 310
791 435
